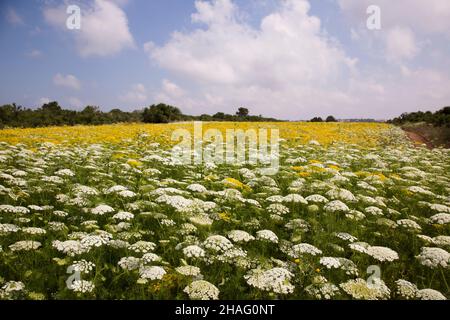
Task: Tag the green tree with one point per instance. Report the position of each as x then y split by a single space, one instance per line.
242 112
161 113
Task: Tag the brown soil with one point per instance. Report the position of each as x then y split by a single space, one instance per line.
418 139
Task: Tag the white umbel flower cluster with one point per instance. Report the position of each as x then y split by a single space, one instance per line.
267 235
142 246
83 266
430 294
194 251
129 263
217 243
102 209
82 286
240 236
151 273
409 224
25 245
336 206
440 218
382 254
434 257
330 262
406 289
278 209
275 280
70 247
361 290
189 271
304 248
202 290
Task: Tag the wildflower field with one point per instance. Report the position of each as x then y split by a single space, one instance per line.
355 211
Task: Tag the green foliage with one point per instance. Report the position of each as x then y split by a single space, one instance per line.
161 113
51 114
438 118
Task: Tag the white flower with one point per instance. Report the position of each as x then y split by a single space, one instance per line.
126 194
278 208
65 173
330 262
34 230
430 294
406 289
361 290
341 194
150 257
125 216
362 247
189 271
240 236
440 218
91 241
102 209
316 198
83 266
25 245
151 273
295 198
409 224
441 241
267 235
70 247
434 257
142 246
196 188
217 243
273 280
193 251
346 236
336 206
304 248
382 253
129 263
82 286
8 228
375 211
202 290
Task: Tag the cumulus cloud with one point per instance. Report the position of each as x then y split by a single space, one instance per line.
136 95
401 44
430 16
288 59
67 81
104 28
290 67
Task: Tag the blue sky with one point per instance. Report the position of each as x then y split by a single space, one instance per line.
291 59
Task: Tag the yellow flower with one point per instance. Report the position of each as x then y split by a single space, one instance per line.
134 163
318 270
225 216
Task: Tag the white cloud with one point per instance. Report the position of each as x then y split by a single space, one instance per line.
104 28
13 17
43 101
136 95
67 81
289 67
401 44
287 61
423 16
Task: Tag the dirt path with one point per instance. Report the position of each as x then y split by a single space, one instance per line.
417 139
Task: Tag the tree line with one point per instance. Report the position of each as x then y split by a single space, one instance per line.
439 118
52 114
